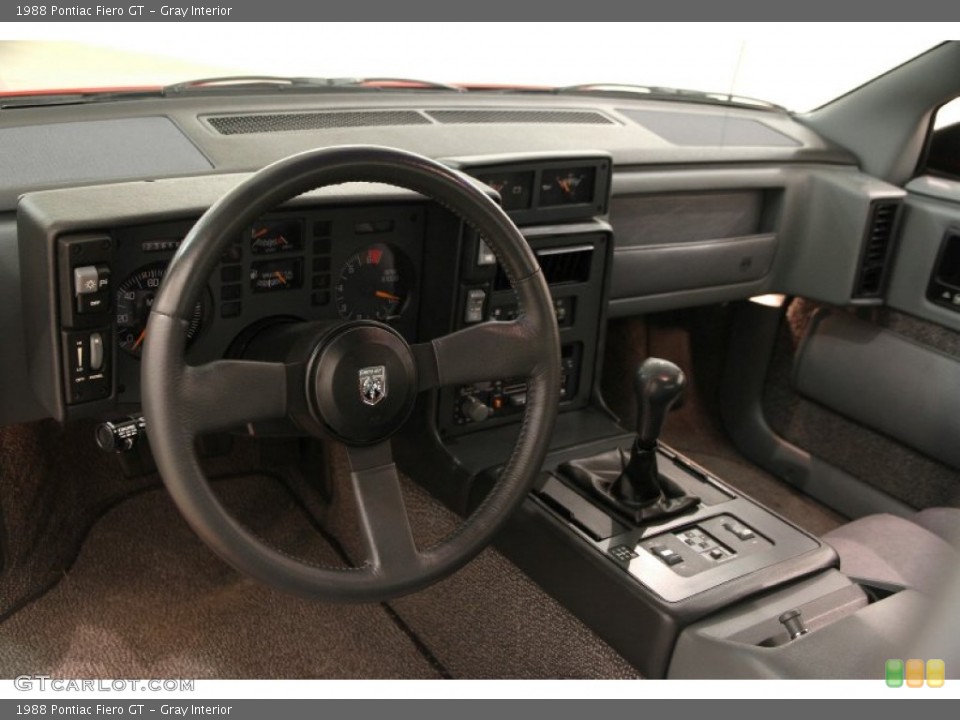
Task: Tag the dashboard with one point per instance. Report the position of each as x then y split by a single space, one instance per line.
400 259
624 217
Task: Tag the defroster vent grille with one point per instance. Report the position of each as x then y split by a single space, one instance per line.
331 120
514 117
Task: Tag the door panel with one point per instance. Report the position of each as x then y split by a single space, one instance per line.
879 456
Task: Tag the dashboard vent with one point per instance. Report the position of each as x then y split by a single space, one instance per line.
877 247
519 117
331 120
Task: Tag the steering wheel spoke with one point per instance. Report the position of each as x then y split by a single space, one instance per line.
227 394
492 349
384 523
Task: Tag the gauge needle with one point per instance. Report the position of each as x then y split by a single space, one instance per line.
280 277
384 295
143 334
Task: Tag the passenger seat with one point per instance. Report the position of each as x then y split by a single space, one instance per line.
886 550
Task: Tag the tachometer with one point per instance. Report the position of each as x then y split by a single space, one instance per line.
134 300
374 284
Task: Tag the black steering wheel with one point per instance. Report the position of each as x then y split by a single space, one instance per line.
356 382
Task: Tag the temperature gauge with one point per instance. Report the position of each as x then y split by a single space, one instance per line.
514 188
276 275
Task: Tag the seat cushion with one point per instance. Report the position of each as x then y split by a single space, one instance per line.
944 522
889 550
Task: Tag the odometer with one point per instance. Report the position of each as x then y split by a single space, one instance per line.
135 296
374 284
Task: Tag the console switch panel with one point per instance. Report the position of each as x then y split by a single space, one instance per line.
711 542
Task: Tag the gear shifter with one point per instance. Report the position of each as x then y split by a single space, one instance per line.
629 481
658 384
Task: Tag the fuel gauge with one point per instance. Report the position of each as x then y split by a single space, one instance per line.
567 186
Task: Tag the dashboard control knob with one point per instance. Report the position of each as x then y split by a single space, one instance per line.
474 409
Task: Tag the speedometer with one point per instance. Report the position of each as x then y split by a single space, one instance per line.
135 296
374 284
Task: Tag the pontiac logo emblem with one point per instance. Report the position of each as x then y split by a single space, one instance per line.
373 384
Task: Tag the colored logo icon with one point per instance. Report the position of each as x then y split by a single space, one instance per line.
894 673
936 673
913 672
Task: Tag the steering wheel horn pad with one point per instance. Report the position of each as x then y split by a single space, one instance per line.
362 382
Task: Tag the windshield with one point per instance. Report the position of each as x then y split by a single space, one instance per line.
799 66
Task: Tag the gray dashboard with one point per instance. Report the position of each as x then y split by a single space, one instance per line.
747 219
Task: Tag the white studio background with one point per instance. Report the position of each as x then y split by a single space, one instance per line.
798 65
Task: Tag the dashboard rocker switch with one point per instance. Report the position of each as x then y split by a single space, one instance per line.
96 351
473 312
91 285
86 280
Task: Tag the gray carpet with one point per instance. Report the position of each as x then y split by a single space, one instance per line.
147 599
694 340
488 620
54 484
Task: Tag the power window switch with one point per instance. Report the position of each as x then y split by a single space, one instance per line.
742 532
666 555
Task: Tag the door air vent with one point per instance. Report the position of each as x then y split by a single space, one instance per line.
519 117
330 120
877 248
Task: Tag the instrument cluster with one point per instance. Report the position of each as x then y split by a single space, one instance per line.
323 264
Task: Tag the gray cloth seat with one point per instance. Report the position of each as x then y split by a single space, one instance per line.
887 550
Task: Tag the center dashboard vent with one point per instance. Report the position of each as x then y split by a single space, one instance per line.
328 120
877 250
519 117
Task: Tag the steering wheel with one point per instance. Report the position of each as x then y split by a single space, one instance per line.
356 382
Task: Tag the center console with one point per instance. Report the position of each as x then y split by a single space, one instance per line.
640 542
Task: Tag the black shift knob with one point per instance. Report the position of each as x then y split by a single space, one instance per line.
658 384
